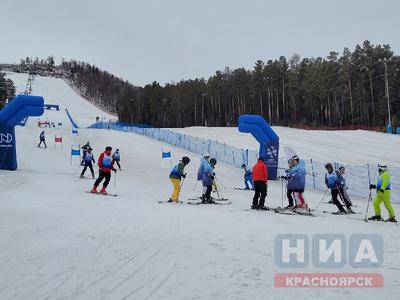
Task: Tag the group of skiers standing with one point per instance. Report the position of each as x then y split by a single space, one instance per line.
257 179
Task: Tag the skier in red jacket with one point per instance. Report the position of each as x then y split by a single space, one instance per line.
106 164
260 179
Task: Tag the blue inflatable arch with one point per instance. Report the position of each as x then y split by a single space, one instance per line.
22 107
266 136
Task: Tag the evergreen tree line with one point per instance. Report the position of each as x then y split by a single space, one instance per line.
342 90
7 89
347 90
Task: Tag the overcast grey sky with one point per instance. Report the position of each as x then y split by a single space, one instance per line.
170 40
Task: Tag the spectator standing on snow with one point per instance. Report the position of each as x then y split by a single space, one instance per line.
42 138
260 179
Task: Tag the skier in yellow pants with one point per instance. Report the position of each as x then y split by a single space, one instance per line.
175 176
382 195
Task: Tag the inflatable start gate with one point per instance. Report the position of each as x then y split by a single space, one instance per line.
22 107
266 136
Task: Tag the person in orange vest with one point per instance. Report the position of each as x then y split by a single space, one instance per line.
260 179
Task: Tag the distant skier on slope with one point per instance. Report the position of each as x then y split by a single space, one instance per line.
203 161
106 165
176 176
208 180
383 194
89 160
260 179
296 177
84 151
42 139
117 158
334 182
248 180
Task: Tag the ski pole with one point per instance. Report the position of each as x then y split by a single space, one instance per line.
115 180
322 198
370 194
282 191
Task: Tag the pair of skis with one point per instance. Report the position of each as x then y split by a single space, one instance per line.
101 194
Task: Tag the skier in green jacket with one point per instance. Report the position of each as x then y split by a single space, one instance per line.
382 195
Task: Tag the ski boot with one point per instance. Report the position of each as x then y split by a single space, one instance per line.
340 212
94 190
93 175
350 211
254 207
103 191
375 218
81 176
170 200
391 220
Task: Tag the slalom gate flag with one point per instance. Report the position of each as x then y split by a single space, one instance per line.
75 152
166 154
75 131
58 139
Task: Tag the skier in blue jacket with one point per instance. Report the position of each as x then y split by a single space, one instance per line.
247 177
117 158
296 177
334 182
203 161
88 160
208 180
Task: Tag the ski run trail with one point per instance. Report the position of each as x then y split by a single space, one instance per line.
59 242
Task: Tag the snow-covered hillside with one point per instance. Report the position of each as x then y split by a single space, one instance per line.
59 242
354 147
58 91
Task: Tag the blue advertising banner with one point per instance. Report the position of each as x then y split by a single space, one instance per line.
8 156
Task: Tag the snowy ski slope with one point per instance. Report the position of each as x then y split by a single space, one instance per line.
354 147
58 242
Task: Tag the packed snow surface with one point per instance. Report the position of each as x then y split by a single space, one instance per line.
59 242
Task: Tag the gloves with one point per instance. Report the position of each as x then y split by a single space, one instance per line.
212 177
284 177
372 186
184 175
381 191
115 170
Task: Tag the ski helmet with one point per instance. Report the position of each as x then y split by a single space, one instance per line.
108 148
382 168
261 158
213 161
329 166
185 160
295 157
206 155
243 166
